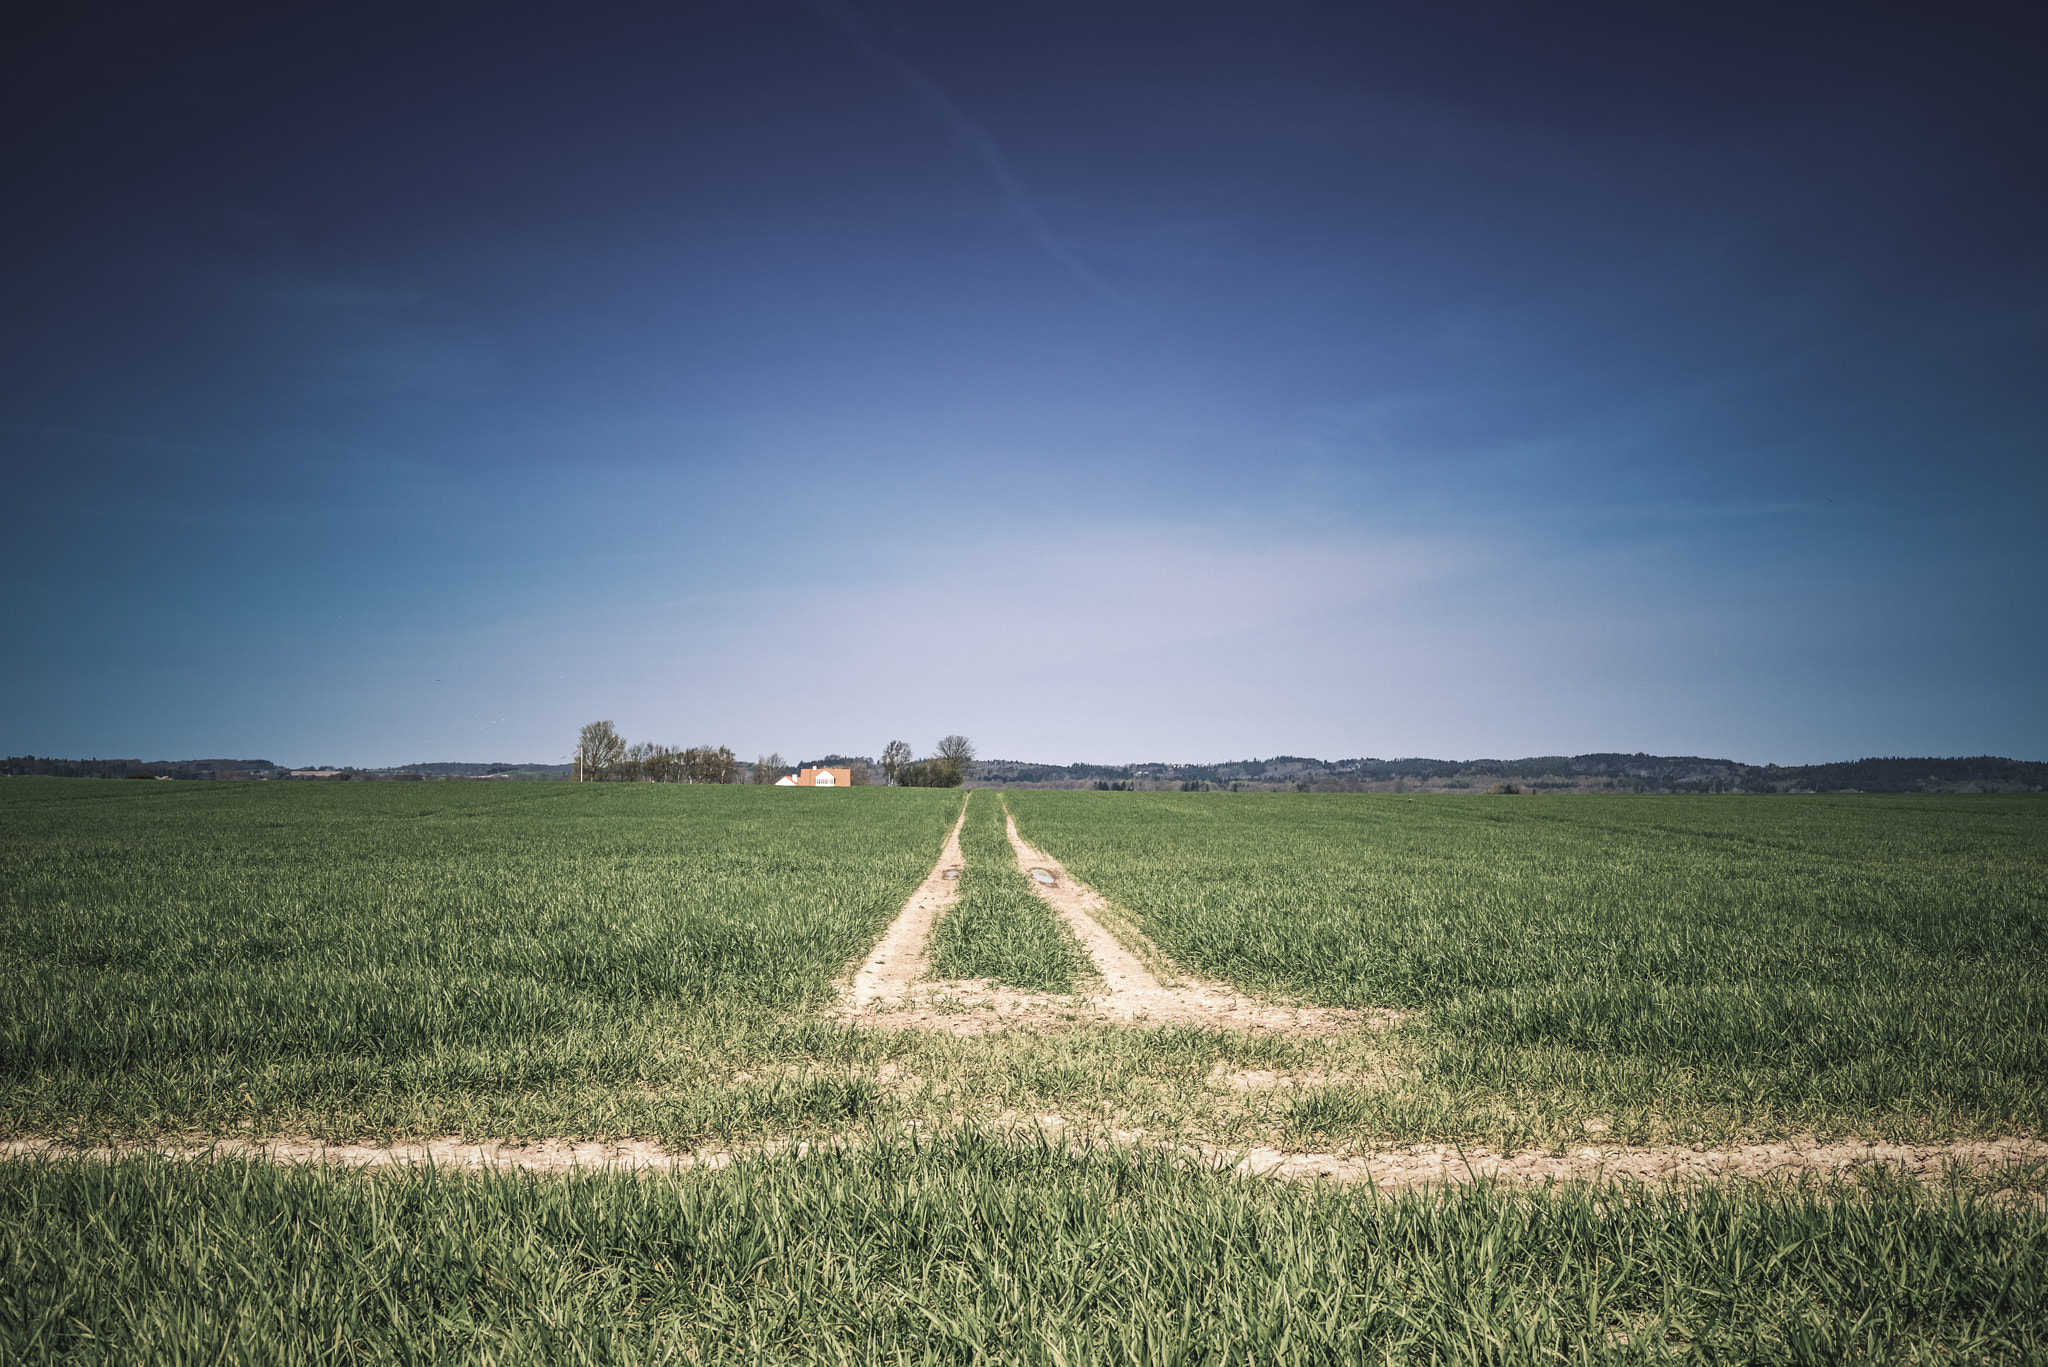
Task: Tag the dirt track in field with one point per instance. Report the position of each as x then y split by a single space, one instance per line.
1435 1164
1134 995
898 962
891 991
1394 1169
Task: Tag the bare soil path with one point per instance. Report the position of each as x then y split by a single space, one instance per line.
899 962
1434 1164
891 990
1396 1168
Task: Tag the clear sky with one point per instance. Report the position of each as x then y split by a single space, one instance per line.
1107 381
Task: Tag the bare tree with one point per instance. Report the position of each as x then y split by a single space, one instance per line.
768 768
895 755
600 750
959 751
858 775
710 764
662 764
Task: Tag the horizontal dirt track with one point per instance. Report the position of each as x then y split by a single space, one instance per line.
1395 1168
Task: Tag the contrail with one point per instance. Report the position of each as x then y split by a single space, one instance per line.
977 140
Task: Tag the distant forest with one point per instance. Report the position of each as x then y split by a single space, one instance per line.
1602 773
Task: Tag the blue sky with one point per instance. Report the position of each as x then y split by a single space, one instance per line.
1106 382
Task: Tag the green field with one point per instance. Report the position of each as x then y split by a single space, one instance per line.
419 959
971 1251
1681 967
653 960
658 961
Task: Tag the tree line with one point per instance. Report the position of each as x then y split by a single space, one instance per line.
604 756
947 767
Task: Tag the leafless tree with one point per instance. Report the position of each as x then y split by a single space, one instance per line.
895 755
710 764
768 768
960 752
600 750
661 764
633 767
857 774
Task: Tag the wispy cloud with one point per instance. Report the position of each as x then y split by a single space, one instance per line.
976 139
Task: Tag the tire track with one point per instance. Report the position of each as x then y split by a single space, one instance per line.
898 961
1133 994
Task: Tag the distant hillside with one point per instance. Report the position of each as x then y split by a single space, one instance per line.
1601 773
1598 773
126 768
263 768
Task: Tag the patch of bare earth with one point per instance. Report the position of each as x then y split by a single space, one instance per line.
539 1155
1400 1168
1267 1080
1435 1164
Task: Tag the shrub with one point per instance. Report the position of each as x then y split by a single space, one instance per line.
929 773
